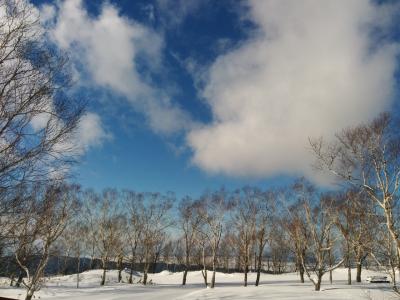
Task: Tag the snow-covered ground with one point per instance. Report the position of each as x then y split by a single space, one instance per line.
167 286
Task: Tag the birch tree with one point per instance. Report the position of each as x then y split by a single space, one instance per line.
154 210
189 221
368 157
91 206
38 121
109 226
46 220
37 118
294 223
320 223
213 213
244 218
265 203
133 202
357 220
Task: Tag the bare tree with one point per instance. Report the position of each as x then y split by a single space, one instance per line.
168 252
367 156
202 242
109 229
356 220
296 228
122 243
278 249
319 223
189 221
133 202
153 209
72 235
244 218
264 218
37 119
384 253
294 222
158 250
345 222
47 218
213 212
227 248
90 207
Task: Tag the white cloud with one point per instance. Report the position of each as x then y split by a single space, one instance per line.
109 47
311 69
90 132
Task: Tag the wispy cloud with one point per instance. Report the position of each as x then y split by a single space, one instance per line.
174 12
118 54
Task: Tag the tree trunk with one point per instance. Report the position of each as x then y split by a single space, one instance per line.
19 281
145 272
394 285
103 277
132 266
246 265
390 223
255 261
12 279
301 272
330 259
184 276
398 261
29 294
131 274
259 265
214 270
318 283
359 268
348 265
349 274
186 268
300 257
245 274
213 279
78 270
119 266
204 271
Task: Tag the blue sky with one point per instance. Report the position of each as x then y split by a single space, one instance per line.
190 95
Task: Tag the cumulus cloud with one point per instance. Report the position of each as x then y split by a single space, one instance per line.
312 68
112 50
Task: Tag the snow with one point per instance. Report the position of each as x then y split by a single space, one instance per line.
166 285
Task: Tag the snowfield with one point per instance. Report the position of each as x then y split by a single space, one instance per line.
167 286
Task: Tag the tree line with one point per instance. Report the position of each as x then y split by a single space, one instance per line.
294 228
